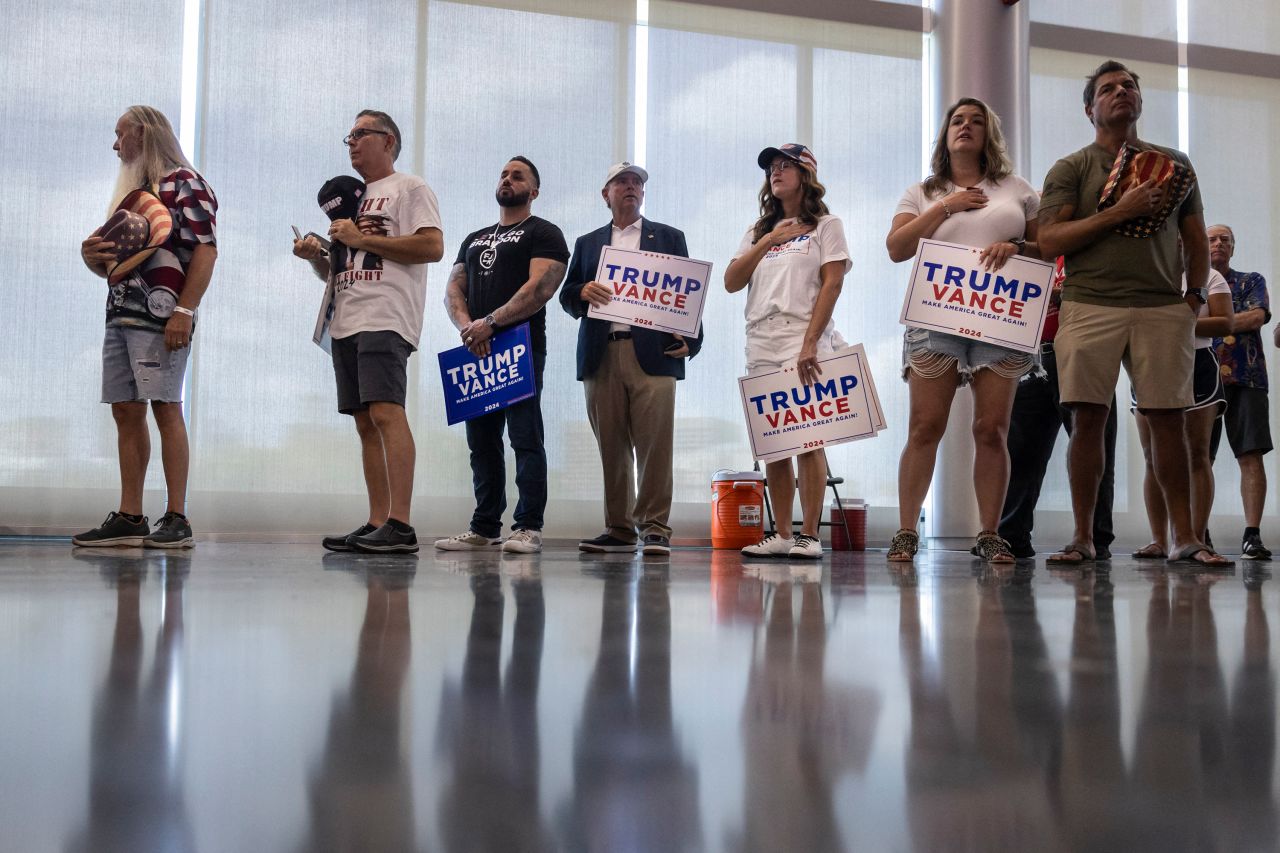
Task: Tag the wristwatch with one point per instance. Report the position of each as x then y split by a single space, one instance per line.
1020 243
490 321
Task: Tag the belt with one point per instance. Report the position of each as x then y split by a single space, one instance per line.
619 336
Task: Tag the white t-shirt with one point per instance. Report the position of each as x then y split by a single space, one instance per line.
1217 284
375 294
1010 205
787 279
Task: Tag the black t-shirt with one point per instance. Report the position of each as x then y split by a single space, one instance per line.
494 274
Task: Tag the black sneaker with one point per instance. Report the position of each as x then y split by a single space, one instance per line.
342 542
607 544
1251 548
386 540
656 544
115 530
173 531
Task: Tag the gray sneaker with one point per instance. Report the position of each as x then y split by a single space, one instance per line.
115 531
469 541
173 531
523 542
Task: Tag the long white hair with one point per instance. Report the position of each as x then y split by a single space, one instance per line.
161 153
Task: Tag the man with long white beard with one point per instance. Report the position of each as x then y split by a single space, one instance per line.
150 321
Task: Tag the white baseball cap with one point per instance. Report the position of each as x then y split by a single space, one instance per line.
621 168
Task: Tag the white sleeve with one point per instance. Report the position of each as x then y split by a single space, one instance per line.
420 209
831 243
1030 199
912 201
744 246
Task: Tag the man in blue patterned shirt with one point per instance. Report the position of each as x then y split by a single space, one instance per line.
1244 380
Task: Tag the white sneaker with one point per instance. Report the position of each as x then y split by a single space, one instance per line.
806 547
770 546
523 542
469 541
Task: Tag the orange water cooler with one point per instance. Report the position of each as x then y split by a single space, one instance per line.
737 508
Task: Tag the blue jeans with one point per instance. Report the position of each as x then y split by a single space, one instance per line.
523 423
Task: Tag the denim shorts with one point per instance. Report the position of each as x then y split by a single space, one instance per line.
930 354
136 366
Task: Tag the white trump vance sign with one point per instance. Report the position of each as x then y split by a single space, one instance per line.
951 292
786 417
652 290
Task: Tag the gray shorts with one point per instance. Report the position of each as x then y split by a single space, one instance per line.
370 367
137 366
930 354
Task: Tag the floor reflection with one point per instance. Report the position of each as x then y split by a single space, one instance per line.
488 729
633 786
360 793
136 797
800 731
245 698
982 784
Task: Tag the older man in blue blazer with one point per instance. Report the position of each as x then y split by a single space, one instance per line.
629 375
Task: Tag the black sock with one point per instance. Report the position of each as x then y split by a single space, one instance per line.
133 519
1252 531
399 526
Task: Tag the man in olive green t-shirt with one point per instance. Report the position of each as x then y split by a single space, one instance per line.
1123 304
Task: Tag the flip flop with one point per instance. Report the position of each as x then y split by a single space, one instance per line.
1083 554
1150 552
1188 557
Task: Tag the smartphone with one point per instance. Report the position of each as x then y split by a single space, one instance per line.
298 235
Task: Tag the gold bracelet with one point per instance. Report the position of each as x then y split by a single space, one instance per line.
946 208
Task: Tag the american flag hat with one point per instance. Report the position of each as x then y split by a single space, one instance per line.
793 151
140 225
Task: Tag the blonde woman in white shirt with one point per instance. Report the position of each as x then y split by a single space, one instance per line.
972 197
793 260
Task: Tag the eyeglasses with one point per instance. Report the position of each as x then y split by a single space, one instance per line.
357 135
781 166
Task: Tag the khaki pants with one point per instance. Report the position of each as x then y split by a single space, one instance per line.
633 417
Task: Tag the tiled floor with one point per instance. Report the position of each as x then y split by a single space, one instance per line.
271 698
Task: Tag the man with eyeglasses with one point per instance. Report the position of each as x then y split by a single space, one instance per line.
377 323
503 276
629 375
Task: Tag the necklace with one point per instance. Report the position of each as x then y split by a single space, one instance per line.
489 256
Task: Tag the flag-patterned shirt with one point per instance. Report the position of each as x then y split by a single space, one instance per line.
146 298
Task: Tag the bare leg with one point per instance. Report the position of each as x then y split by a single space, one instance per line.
375 468
175 453
992 404
930 406
813 482
1085 454
1199 429
1253 488
401 454
1172 469
782 493
133 444
1157 514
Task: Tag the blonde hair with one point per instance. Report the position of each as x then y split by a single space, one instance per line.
995 162
161 152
